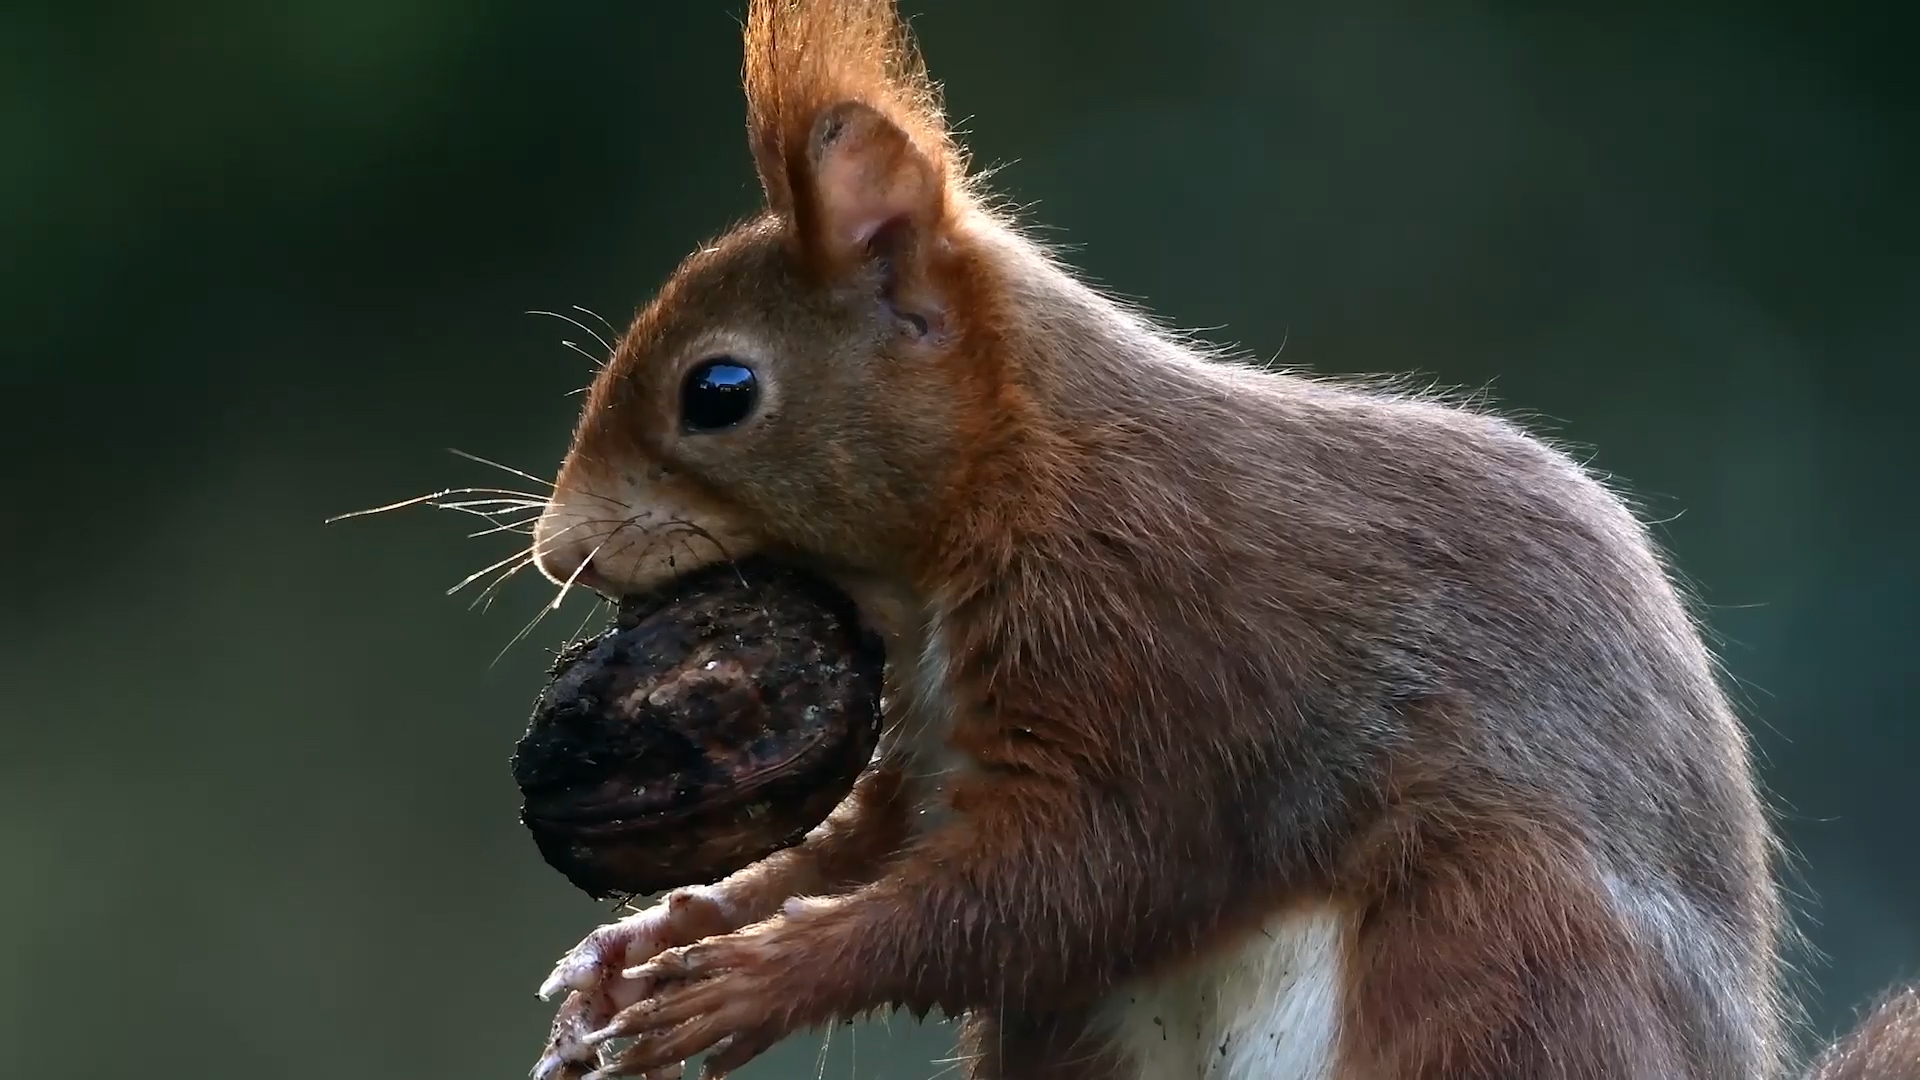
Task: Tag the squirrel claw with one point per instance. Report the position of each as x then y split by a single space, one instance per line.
599 978
574 972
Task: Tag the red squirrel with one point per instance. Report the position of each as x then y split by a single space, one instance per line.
1240 724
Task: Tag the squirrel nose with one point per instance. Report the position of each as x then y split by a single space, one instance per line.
564 555
565 570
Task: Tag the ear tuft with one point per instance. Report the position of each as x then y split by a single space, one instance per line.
839 105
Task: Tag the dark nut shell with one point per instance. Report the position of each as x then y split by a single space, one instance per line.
713 724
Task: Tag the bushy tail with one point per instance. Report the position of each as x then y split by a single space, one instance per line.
1885 1046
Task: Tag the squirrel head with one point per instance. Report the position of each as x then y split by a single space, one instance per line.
804 383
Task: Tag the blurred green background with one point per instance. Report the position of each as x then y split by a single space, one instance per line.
264 263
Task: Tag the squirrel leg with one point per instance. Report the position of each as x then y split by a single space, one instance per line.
988 911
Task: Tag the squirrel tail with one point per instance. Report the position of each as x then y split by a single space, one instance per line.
1884 1046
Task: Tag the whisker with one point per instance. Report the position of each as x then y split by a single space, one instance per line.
649 537
581 630
498 508
484 600
494 516
608 499
401 505
507 526
479 510
428 498
494 519
527 498
952 1064
583 326
476 458
592 314
523 553
675 530
542 613
678 535
524 631
725 555
529 476
531 557
500 493
597 364
826 1041
568 584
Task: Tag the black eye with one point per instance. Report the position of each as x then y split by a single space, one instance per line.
718 394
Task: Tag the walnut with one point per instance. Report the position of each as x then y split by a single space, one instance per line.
713 723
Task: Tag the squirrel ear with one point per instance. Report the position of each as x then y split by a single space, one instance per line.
847 132
866 181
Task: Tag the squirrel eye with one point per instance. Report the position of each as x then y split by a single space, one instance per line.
718 394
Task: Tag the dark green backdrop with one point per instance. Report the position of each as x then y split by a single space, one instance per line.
264 262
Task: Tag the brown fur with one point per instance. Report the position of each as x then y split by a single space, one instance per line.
1185 644
1886 1046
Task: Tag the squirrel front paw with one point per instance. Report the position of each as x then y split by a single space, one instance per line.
732 996
592 975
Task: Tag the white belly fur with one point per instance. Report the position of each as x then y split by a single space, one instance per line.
1267 1010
